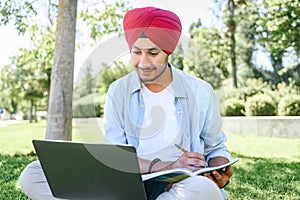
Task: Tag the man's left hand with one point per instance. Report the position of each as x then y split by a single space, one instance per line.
220 179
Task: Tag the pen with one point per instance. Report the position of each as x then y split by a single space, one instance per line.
181 148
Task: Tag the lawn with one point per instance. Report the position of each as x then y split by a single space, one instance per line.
269 167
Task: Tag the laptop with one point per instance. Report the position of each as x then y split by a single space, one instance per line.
86 171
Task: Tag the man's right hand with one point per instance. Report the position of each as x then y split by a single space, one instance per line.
190 160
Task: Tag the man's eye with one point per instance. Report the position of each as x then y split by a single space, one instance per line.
136 52
153 53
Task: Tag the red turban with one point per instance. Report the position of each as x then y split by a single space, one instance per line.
162 27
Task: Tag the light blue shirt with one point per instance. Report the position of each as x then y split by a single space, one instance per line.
197 112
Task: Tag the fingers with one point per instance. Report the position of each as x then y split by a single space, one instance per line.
194 155
220 179
191 160
194 160
228 171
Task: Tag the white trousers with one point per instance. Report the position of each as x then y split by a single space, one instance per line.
34 184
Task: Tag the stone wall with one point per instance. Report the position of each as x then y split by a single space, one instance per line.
277 126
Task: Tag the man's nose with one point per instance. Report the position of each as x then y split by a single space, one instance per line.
144 60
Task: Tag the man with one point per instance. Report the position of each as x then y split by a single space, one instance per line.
157 107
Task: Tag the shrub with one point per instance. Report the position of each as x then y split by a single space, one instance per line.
88 106
289 105
86 110
234 107
260 105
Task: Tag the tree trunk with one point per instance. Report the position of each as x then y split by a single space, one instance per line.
59 116
35 113
232 27
30 111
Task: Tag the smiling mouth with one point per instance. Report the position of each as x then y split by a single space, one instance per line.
147 70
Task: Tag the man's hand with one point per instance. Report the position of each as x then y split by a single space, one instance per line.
220 179
190 160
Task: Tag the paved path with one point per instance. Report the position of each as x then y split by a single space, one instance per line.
4 123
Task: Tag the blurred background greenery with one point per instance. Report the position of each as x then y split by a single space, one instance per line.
225 53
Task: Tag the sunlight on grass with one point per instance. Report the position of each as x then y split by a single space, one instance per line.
267 147
18 138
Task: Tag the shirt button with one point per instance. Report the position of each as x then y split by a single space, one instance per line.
178 111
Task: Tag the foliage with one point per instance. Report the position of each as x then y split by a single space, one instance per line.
280 26
235 107
86 85
260 105
283 89
279 30
112 73
91 105
90 98
252 87
10 90
28 76
177 57
207 57
18 11
258 87
107 21
289 105
246 31
263 27
291 88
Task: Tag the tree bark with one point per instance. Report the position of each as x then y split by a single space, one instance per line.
232 27
31 111
59 116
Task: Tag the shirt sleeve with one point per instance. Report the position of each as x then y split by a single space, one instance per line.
113 125
215 137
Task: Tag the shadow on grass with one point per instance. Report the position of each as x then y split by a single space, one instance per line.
264 178
11 167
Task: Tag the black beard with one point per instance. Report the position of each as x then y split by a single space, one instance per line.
154 78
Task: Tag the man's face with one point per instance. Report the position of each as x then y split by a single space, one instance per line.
148 60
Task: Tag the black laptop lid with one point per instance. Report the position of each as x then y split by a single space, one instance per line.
90 171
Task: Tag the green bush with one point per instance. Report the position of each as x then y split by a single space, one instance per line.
241 93
234 107
260 105
289 105
91 105
86 110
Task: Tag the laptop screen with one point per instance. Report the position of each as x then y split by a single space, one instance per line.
90 171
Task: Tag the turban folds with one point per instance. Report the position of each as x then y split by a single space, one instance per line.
162 27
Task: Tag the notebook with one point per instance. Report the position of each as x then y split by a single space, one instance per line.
86 171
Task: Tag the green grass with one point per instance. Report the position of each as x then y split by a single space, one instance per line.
269 167
17 138
11 167
266 147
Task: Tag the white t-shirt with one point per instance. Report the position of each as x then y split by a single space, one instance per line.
160 131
